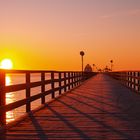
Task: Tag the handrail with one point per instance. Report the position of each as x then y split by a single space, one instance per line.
131 79
70 80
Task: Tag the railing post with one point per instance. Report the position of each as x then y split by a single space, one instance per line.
76 78
60 85
52 84
2 96
128 79
79 75
28 104
79 80
131 85
134 81
69 80
72 79
43 87
65 87
138 82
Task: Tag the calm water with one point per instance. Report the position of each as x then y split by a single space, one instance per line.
15 96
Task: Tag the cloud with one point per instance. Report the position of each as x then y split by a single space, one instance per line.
106 17
134 12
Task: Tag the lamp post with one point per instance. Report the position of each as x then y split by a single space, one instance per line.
93 67
82 54
111 61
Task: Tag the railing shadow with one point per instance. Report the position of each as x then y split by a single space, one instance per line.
92 118
112 114
39 129
68 123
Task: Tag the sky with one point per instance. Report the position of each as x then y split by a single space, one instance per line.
49 34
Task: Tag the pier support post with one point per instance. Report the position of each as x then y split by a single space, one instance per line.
65 82
43 87
2 96
28 104
72 75
60 85
52 84
138 82
69 80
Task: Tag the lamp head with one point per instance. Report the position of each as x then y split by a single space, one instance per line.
82 53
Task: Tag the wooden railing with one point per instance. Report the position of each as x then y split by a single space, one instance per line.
130 79
59 81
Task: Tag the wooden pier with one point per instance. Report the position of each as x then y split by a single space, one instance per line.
100 108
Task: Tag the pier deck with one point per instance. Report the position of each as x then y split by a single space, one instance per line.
101 108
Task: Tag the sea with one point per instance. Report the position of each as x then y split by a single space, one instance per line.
13 79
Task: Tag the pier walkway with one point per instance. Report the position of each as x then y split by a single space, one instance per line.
101 108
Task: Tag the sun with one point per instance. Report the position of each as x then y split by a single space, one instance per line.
6 64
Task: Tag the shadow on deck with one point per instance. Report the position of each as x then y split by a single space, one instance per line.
101 108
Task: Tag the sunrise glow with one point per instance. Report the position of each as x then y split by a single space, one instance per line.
6 64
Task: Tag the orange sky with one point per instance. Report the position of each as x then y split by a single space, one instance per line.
49 34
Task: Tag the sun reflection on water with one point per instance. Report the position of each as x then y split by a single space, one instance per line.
8 80
9 99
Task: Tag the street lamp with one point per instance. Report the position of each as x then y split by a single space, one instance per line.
111 61
82 54
93 67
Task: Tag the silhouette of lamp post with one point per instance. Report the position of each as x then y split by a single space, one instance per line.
93 67
82 54
111 61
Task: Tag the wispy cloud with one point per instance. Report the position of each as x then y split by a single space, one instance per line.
106 17
134 12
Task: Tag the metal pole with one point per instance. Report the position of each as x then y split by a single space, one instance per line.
82 64
82 54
